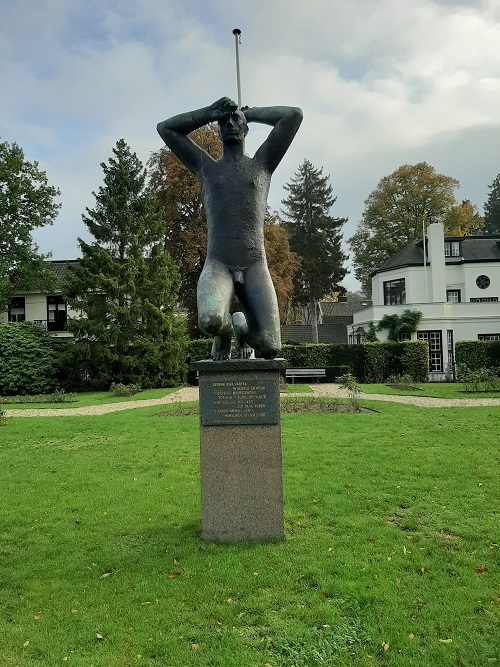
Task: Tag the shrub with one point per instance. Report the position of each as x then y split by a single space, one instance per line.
350 383
480 379
477 354
404 382
119 389
334 372
28 361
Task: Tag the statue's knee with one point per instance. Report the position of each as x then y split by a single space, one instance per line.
269 349
211 323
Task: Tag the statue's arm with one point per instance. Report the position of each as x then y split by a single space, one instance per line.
286 121
174 130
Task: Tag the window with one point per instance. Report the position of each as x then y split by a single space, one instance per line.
484 299
452 248
482 282
495 336
394 292
434 340
453 296
56 313
17 310
404 335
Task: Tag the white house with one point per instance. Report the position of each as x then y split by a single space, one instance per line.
456 287
48 310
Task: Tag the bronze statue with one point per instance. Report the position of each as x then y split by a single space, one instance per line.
234 191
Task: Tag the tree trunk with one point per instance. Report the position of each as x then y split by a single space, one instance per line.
314 320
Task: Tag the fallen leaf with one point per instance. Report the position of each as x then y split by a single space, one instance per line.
371 539
405 551
255 574
330 548
74 611
241 614
420 601
411 636
422 569
105 575
174 575
26 643
398 580
38 616
481 569
99 636
230 600
385 646
445 641
176 562
195 647
314 500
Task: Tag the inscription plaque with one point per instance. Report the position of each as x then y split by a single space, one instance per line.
239 401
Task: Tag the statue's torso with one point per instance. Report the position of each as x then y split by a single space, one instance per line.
234 195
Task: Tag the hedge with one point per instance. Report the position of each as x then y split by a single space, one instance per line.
28 360
368 362
478 354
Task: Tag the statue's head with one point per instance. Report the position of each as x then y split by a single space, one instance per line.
234 128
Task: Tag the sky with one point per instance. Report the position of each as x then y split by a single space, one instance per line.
381 83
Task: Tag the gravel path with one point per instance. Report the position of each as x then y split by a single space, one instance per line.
187 394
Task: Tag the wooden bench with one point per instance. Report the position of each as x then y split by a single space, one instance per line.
311 373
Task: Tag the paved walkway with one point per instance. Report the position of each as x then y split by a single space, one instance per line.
187 394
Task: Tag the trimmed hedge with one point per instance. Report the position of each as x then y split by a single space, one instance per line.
28 360
478 354
368 362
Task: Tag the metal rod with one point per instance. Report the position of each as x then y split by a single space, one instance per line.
237 38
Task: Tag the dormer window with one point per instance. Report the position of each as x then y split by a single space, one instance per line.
452 248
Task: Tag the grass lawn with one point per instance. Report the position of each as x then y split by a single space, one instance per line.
390 557
83 399
434 389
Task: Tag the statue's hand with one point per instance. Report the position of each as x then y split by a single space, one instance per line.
223 107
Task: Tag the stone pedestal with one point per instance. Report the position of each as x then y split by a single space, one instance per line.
240 450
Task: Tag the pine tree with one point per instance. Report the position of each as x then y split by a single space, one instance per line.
125 286
492 209
315 237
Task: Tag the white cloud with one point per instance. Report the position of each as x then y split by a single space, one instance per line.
380 83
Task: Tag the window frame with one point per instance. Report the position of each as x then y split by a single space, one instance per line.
395 292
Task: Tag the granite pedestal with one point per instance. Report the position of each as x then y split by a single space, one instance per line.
240 450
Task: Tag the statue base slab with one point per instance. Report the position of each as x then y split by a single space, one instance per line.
240 450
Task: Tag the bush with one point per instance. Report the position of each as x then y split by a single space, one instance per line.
404 382
480 379
28 360
350 383
119 389
478 354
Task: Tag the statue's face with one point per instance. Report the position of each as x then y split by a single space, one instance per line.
233 129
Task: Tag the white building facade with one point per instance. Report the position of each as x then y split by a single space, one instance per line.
455 285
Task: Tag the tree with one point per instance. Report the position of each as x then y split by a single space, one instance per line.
463 220
315 237
126 286
492 208
411 197
283 263
26 203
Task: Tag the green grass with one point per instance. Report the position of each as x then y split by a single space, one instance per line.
390 551
433 389
85 399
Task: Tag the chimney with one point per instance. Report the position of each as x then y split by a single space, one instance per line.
435 236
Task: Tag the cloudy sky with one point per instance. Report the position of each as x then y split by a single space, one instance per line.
381 82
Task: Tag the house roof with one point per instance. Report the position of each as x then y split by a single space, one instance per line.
473 249
60 267
301 333
343 308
